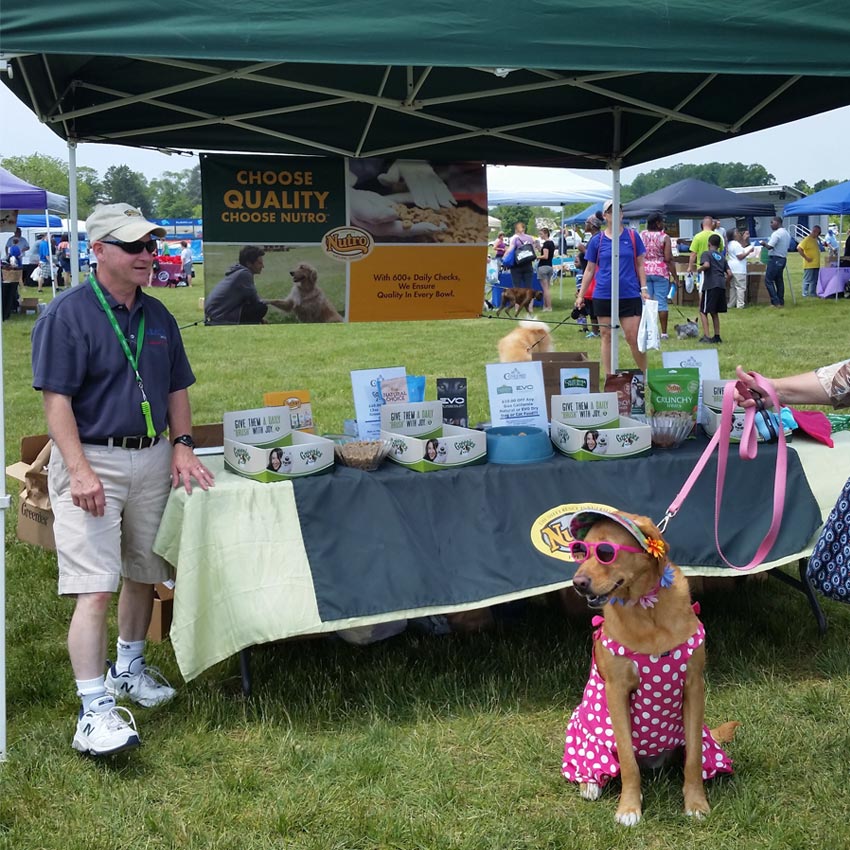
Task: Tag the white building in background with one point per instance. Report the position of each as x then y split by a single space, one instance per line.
780 196
777 195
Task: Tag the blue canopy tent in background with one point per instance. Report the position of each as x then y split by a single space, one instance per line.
17 195
584 215
832 201
52 221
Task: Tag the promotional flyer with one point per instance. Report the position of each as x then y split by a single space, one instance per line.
325 240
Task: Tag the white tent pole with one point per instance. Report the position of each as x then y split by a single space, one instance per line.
4 507
51 268
562 241
615 266
72 214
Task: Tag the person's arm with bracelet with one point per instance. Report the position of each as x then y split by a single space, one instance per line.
184 464
641 273
805 388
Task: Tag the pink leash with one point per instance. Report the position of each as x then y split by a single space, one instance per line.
747 451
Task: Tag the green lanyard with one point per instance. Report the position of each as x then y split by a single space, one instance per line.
131 358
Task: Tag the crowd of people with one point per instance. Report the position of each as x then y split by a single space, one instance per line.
717 263
48 259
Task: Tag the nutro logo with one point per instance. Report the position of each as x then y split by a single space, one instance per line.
550 532
347 243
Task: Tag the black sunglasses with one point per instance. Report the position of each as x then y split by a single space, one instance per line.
133 247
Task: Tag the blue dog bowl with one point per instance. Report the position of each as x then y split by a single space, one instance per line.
517 444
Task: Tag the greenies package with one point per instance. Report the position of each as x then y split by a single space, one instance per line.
672 396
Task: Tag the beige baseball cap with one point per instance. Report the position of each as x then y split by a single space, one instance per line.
121 222
608 205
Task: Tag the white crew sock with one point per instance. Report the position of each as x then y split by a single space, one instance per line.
90 690
130 656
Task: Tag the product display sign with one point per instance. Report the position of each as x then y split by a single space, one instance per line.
516 393
335 239
367 398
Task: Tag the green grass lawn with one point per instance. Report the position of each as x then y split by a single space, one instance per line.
421 742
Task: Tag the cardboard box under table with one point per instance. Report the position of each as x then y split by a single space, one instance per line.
589 427
35 516
415 427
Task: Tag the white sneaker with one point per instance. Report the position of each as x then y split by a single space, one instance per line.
105 729
147 688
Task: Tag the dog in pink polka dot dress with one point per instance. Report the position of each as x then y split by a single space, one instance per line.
645 699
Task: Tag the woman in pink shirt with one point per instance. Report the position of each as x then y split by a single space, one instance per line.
659 265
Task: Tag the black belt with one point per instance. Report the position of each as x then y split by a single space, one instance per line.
123 442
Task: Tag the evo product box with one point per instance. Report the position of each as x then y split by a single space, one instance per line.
260 444
589 427
420 441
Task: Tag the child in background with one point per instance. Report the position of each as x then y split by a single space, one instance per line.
712 299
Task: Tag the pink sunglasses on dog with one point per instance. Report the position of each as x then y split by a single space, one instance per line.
604 552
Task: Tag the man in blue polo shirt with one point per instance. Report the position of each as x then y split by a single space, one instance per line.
110 363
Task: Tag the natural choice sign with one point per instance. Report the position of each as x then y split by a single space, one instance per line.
359 240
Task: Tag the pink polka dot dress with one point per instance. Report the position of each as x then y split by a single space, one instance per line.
590 752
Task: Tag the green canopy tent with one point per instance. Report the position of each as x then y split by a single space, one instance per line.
549 85
541 83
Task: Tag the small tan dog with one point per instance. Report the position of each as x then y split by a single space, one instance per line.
306 300
529 335
645 698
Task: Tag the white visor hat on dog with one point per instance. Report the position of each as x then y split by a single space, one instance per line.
582 521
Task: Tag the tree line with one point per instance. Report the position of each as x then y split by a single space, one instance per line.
177 194
174 194
724 174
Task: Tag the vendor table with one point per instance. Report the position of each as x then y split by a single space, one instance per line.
263 562
832 281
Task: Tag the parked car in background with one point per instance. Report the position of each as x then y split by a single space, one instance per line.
569 240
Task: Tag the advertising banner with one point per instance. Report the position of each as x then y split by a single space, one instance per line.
314 239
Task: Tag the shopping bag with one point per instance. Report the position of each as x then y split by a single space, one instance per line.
36 274
508 258
648 336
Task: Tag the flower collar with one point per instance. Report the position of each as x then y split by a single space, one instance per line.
648 600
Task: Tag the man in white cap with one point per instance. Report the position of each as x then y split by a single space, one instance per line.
110 363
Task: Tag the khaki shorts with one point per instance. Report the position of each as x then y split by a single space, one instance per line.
94 552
